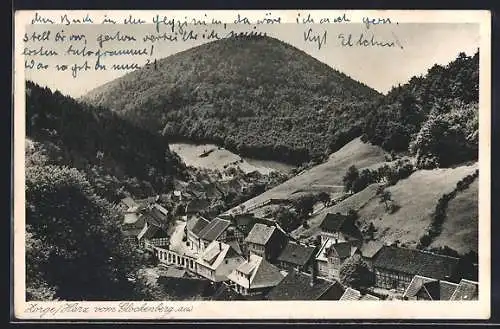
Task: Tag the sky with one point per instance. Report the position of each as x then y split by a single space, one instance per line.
417 48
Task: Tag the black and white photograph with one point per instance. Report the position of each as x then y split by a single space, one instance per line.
194 159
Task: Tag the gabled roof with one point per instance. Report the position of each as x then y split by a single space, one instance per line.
147 232
235 246
415 285
296 286
343 249
466 290
260 234
214 229
215 254
439 290
151 231
416 262
260 272
333 222
296 254
196 223
157 215
351 294
370 249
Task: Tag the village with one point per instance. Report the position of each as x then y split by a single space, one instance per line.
244 255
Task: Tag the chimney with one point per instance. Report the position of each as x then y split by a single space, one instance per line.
220 246
314 273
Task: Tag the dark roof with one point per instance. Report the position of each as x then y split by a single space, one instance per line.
416 262
297 254
155 216
226 293
296 286
342 249
266 275
370 248
439 290
245 222
466 290
333 222
260 234
214 229
235 246
196 224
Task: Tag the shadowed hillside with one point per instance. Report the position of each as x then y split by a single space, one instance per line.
256 96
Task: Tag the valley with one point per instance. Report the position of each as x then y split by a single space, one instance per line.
277 148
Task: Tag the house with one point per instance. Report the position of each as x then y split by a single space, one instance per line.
423 288
154 232
194 226
152 235
331 256
255 276
395 267
265 241
350 294
369 251
216 229
296 256
245 222
466 290
177 252
133 223
217 261
340 228
300 286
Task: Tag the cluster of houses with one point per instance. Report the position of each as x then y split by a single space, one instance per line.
253 258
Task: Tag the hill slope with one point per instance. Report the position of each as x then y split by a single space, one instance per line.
416 198
116 156
326 176
460 229
435 116
255 96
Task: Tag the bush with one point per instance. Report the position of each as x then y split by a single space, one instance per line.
355 273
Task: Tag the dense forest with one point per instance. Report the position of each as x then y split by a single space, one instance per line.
433 117
79 161
117 157
255 96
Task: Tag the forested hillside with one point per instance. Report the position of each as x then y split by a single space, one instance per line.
255 96
117 157
433 117
79 161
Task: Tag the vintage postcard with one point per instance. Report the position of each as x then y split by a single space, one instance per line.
268 164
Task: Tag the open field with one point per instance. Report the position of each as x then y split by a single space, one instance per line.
326 176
